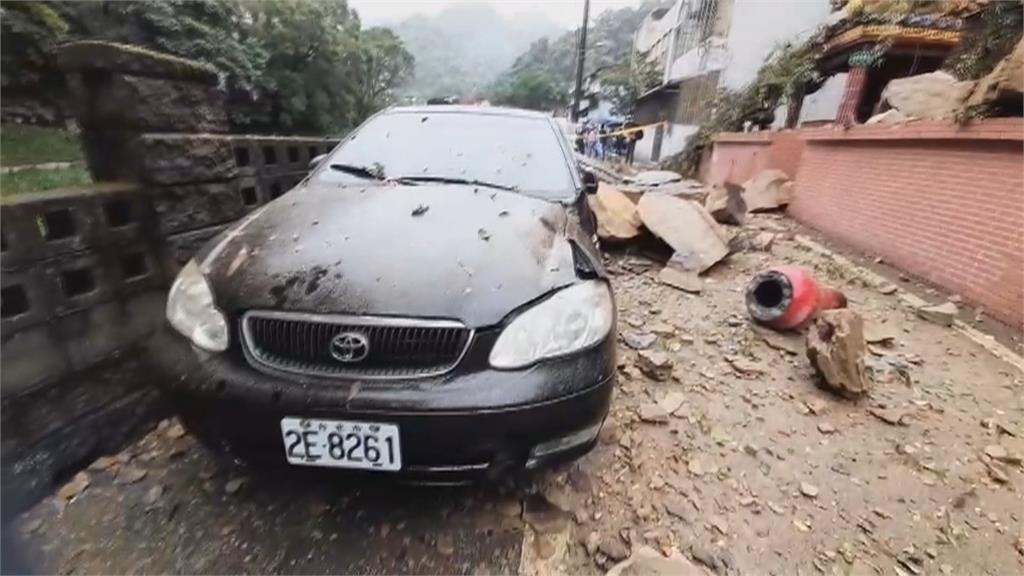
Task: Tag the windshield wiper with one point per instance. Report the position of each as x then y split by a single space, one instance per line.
451 180
370 173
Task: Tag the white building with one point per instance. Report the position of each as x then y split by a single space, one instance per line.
704 45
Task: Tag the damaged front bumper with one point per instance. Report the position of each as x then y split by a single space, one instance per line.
472 423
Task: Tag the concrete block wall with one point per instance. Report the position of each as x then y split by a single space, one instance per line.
737 157
85 271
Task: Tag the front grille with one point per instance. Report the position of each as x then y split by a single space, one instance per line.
396 348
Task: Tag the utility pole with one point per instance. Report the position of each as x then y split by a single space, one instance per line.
580 55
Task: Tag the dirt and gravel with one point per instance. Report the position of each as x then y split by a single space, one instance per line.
720 452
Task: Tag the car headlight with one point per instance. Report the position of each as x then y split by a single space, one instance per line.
191 311
570 320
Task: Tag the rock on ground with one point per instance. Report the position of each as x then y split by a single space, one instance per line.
646 561
656 177
725 203
617 217
654 364
941 314
687 228
675 276
769 190
836 347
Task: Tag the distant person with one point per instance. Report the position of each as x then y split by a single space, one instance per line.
592 142
620 142
634 134
603 141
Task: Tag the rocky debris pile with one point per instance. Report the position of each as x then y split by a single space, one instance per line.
686 217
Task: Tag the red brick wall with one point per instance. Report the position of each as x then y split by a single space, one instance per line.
737 157
941 202
786 149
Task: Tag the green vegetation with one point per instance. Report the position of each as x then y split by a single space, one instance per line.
990 37
553 62
789 70
462 49
35 180
625 83
288 66
21 145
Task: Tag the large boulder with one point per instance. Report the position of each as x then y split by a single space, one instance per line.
835 348
725 203
934 95
1004 82
769 190
617 217
687 227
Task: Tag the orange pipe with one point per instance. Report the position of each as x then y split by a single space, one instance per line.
787 297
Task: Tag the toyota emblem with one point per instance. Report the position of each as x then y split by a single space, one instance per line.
350 347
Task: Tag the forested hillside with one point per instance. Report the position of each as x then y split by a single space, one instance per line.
287 65
543 76
461 50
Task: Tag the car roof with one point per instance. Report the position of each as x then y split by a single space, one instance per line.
469 109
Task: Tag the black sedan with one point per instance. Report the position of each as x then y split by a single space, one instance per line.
428 302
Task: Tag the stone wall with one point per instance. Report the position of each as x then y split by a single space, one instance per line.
85 271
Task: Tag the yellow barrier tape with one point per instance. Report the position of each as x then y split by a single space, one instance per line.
625 130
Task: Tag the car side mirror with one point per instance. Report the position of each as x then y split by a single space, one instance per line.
316 161
589 182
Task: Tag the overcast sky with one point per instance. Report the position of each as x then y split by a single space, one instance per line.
565 12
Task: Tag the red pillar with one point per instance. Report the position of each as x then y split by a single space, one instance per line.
856 79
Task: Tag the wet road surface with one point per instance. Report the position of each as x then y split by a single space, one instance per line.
167 504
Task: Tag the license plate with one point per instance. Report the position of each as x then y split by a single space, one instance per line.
341 444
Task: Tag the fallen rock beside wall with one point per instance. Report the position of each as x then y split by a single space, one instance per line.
725 203
770 190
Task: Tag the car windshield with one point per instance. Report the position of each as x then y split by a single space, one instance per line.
504 150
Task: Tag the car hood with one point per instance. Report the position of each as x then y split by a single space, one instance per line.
460 252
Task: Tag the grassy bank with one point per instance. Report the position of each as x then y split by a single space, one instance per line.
21 144
31 180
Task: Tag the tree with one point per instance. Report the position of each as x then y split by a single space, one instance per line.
622 85
378 66
533 90
295 66
29 32
609 44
